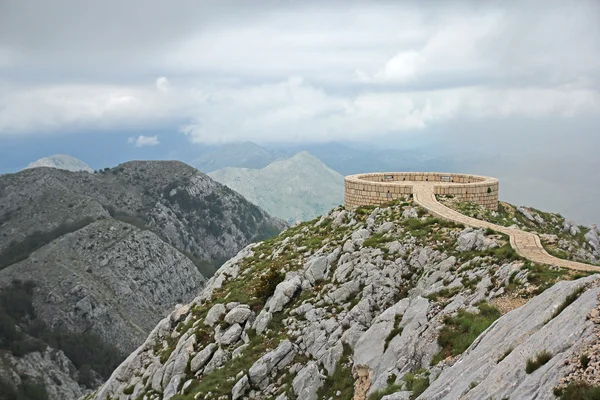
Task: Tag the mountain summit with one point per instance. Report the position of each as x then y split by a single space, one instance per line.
377 303
294 189
61 161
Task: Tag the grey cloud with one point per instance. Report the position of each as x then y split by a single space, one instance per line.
364 67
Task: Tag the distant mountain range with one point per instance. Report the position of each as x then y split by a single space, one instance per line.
237 155
344 158
61 161
294 189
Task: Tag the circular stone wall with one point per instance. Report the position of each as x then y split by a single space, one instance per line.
380 188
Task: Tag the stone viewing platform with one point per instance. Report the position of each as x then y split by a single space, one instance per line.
380 188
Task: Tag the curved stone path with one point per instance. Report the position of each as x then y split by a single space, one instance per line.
526 244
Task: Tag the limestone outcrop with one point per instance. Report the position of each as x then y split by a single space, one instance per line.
309 316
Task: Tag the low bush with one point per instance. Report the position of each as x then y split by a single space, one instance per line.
584 360
417 384
460 331
540 359
378 395
578 391
268 282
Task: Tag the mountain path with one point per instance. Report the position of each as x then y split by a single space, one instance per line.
526 244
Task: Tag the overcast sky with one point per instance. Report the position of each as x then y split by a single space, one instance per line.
292 70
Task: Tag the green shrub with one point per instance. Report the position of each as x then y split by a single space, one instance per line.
129 389
396 330
29 389
417 384
505 354
393 388
578 391
460 331
341 380
540 359
584 360
268 282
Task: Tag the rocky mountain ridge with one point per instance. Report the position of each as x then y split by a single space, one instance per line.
61 161
377 303
298 188
89 263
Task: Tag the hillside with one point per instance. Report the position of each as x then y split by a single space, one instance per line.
235 155
61 161
295 189
89 263
378 303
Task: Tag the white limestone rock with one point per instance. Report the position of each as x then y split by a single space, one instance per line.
308 382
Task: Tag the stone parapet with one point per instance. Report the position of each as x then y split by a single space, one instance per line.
380 188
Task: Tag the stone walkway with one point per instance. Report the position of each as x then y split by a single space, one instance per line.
526 244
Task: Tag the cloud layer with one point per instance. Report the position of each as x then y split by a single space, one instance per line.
290 71
142 141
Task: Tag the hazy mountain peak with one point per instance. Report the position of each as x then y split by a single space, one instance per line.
61 161
238 154
296 188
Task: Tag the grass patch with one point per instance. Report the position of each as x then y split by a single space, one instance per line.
397 330
444 293
505 354
542 276
416 383
578 391
462 330
376 240
341 380
540 359
393 388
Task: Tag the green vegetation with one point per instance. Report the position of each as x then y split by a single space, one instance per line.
341 380
502 254
417 383
396 330
578 391
444 293
18 251
29 389
268 282
377 240
584 360
87 351
540 359
505 354
392 388
542 276
460 331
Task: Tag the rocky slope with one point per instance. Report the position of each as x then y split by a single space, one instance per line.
89 263
378 303
295 189
560 237
61 161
